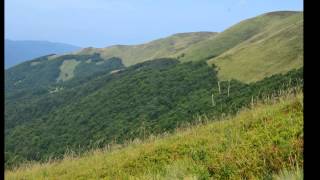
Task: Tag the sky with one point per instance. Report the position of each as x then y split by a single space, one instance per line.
101 23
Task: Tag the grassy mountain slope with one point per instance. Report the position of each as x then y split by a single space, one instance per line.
277 48
20 51
166 47
255 144
196 46
235 35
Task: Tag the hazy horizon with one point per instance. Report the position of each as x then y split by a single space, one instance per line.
101 23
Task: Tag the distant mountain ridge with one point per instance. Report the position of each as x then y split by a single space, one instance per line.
20 51
228 49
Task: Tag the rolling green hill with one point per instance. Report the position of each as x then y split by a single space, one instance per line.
277 48
265 142
235 35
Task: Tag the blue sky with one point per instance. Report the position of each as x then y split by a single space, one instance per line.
100 23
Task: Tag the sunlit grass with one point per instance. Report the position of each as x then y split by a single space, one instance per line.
277 49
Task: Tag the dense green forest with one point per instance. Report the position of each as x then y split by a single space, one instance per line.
31 91
151 97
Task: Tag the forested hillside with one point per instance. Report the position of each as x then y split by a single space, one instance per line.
151 97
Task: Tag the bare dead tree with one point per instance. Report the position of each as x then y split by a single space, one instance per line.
289 82
229 88
252 101
213 103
